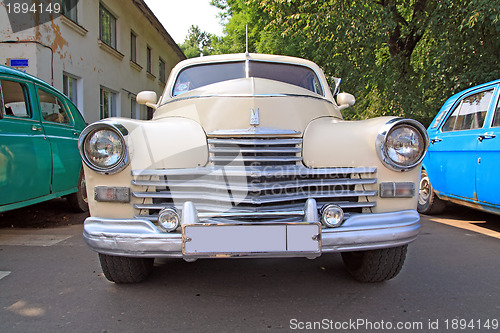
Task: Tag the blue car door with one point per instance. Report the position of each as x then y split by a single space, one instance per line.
488 163
453 153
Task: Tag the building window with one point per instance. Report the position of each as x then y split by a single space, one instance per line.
108 103
163 76
70 88
150 112
69 9
133 109
133 47
148 59
107 27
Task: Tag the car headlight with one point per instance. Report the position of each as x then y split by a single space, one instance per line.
402 143
102 147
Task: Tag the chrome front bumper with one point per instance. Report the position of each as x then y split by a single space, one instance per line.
141 238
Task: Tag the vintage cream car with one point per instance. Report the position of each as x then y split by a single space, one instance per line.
247 155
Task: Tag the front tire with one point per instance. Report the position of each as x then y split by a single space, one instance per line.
428 201
125 269
78 201
375 265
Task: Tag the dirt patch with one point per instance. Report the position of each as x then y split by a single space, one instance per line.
47 214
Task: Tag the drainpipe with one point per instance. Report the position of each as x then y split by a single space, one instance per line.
36 42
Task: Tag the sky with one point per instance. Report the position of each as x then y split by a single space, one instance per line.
178 15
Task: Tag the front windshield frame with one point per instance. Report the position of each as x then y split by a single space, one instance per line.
317 77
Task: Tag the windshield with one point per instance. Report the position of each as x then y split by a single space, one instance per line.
201 75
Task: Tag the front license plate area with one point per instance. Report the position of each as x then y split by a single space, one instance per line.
215 240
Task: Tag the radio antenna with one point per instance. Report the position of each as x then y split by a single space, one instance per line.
246 36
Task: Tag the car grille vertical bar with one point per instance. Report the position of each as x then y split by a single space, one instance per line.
255 151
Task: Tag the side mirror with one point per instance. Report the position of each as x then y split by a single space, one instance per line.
147 98
345 100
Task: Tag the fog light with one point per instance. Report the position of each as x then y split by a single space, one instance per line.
332 215
168 219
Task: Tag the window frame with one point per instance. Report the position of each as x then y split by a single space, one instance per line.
114 97
74 89
73 12
135 112
496 112
458 104
64 106
162 70
133 46
149 59
26 95
113 31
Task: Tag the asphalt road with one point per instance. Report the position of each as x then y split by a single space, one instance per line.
50 281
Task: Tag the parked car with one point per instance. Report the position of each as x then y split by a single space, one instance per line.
462 160
247 155
39 130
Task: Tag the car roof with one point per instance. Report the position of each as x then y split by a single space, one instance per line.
453 98
22 75
451 101
245 56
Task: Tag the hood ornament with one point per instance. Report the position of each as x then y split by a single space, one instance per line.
254 117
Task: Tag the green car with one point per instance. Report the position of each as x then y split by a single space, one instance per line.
39 130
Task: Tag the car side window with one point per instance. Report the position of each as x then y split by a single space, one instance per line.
14 99
52 108
470 112
496 119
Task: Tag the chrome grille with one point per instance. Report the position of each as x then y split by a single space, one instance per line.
255 151
254 189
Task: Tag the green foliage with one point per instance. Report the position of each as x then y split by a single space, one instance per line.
197 43
398 57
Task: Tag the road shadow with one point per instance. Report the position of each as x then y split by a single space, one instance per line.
48 214
475 217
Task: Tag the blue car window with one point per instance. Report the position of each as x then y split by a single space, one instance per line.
496 119
14 99
470 112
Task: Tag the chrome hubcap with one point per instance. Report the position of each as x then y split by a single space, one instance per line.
424 191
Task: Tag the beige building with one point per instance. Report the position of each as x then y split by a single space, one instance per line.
100 53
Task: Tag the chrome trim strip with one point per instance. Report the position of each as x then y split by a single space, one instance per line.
266 150
251 171
256 142
239 158
255 201
245 186
254 131
285 207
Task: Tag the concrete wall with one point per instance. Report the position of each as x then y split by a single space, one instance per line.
61 46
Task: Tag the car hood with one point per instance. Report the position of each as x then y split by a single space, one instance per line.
233 106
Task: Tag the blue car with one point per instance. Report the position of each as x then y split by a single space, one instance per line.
463 161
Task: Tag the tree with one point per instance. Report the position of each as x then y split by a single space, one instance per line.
197 43
398 57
